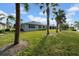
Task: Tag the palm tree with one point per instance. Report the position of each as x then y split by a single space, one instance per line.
46 9
26 6
62 18
47 4
9 17
17 27
59 17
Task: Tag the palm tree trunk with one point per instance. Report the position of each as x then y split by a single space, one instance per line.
7 24
47 4
17 27
60 27
57 28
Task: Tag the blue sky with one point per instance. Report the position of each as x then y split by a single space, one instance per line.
35 14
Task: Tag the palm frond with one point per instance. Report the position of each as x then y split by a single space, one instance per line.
26 6
11 17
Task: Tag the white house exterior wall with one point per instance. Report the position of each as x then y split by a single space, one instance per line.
2 26
76 28
25 27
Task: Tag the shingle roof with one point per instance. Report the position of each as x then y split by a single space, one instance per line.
34 22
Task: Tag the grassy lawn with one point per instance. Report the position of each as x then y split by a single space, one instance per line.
62 43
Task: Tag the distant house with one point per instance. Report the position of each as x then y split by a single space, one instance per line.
76 28
2 26
33 26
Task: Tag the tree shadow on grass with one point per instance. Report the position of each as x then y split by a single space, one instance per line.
4 49
38 49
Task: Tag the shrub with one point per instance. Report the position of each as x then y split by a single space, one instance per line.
64 26
72 28
21 30
42 29
7 30
2 31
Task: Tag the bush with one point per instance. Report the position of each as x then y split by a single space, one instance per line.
42 29
2 31
64 26
72 28
7 30
21 30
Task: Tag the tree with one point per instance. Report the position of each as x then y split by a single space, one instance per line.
62 18
9 17
59 17
17 27
26 6
64 26
46 9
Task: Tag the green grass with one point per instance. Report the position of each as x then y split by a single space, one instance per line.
6 38
62 43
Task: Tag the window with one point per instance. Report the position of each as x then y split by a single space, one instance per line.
31 26
39 26
43 26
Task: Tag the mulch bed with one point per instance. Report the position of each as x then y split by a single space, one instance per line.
11 50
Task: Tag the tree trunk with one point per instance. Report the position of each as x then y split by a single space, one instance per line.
57 28
7 25
60 27
47 4
17 27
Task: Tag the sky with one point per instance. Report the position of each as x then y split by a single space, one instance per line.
35 14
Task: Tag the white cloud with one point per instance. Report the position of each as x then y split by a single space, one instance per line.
30 17
40 19
2 12
22 10
43 14
73 8
71 12
13 14
70 21
69 17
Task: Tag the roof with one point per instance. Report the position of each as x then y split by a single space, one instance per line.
35 23
2 23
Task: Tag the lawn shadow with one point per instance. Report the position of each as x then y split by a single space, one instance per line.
38 49
4 49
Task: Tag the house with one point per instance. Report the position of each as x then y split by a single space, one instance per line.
2 26
76 28
33 26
